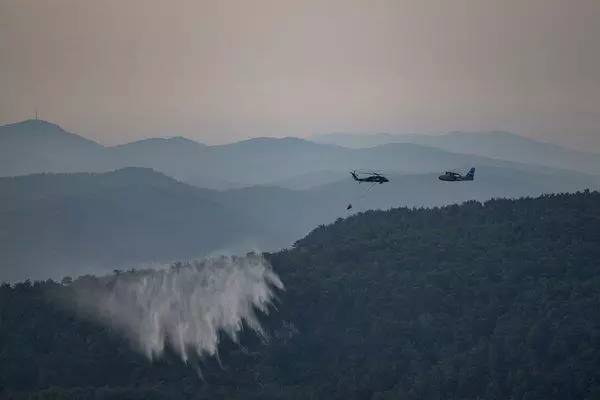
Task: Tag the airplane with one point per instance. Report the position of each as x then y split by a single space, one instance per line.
450 176
373 177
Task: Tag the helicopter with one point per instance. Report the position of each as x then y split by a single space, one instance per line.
373 177
450 176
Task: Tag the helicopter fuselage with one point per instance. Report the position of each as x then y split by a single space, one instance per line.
374 179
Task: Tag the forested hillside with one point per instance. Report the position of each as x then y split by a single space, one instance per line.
499 300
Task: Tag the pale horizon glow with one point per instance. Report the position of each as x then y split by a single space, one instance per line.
218 71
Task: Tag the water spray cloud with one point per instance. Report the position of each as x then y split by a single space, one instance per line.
186 307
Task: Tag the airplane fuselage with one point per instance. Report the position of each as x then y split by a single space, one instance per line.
454 178
450 176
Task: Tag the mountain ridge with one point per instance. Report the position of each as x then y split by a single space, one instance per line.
254 161
88 222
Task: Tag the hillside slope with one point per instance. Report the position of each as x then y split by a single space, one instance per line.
497 300
76 223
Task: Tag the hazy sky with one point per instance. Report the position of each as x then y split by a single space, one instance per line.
220 70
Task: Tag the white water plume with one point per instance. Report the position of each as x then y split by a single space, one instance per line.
185 307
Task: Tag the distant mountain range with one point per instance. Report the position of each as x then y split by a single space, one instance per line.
175 198
37 146
57 224
501 145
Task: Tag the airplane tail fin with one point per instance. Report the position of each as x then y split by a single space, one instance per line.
353 173
471 174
